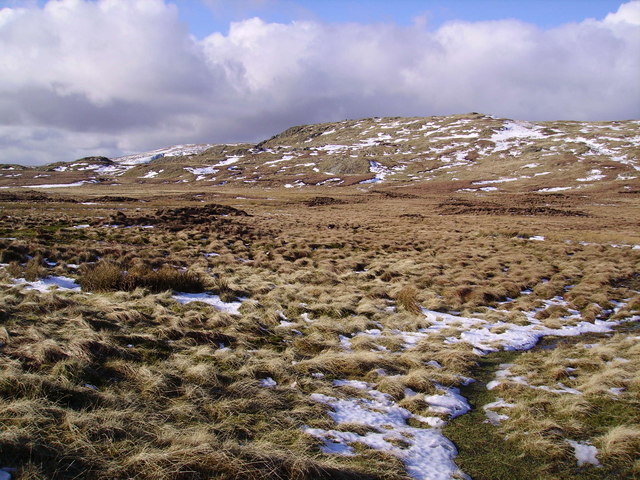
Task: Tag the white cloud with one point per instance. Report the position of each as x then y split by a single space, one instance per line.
107 76
627 13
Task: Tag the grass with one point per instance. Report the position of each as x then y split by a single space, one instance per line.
121 381
531 443
106 276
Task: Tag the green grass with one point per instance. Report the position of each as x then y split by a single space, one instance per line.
485 453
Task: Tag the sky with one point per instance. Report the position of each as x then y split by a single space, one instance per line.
114 77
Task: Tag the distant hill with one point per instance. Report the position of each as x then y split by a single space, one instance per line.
471 152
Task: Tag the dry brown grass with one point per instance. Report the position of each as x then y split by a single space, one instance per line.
120 381
106 276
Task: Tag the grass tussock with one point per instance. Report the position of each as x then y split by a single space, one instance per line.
107 277
121 381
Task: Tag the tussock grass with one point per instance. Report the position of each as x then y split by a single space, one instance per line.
121 381
106 276
605 412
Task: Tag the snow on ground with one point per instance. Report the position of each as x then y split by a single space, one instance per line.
593 176
499 180
616 390
494 418
151 174
59 185
332 148
174 151
426 453
554 189
488 336
268 382
585 453
512 132
213 300
381 172
504 375
228 161
611 152
284 158
202 170
450 402
48 283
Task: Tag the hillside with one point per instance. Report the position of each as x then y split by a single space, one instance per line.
467 153
384 299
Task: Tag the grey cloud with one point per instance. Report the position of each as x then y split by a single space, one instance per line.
112 77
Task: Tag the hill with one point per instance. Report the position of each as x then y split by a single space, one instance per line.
383 299
467 153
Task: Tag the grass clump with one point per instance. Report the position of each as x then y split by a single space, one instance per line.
407 299
107 277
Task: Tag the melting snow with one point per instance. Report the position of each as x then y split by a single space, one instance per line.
202 170
174 151
268 382
213 300
449 402
47 283
585 453
495 418
151 174
345 342
59 185
554 189
426 453
594 175
491 336
511 132
504 375
228 161
499 180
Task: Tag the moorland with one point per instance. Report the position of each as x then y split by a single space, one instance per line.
464 303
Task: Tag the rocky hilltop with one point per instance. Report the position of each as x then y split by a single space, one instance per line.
469 153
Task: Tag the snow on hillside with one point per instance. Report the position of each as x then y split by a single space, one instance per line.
174 151
483 151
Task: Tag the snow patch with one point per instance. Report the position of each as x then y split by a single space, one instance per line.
48 283
210 299
152 174
59 185
426 453
202 170
512 132
268 382
554 189
174 151
594 175
584 452
450 402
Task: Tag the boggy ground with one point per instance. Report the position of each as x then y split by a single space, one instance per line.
337 331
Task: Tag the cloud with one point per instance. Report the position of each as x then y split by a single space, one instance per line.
105 77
